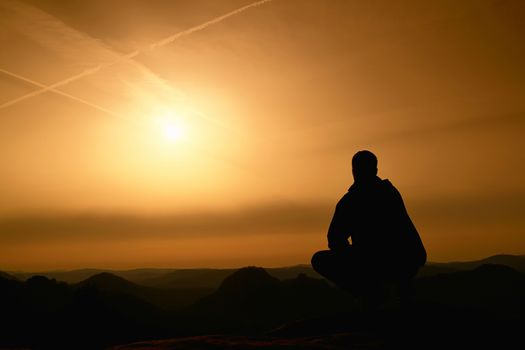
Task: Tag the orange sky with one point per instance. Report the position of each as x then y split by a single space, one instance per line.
230 144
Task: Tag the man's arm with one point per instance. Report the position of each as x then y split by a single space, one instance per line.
338 232
408 230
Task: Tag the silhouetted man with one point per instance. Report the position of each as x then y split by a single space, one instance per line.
385 245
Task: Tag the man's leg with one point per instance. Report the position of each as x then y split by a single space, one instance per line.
406 288
339 268
325 264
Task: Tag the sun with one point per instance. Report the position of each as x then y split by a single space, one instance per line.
171 126
173 131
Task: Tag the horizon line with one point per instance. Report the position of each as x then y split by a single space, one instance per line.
229 267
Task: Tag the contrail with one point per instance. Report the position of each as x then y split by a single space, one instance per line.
78 99
205 25
91 104
132 54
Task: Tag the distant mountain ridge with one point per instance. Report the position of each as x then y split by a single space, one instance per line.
211 278
488 286
7 276
78 275
164 298
168 278
517 262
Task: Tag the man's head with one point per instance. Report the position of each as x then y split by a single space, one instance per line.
364 166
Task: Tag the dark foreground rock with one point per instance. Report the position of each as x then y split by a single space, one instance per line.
427 327
334 341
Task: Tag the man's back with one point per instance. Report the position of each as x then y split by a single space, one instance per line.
373 215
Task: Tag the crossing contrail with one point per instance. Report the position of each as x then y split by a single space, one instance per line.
93 105
128 56
78 99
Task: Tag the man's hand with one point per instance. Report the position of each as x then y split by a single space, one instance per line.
338 244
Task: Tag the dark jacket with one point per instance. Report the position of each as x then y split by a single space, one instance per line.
374 217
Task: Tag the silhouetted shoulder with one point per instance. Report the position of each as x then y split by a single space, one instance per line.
391 189
387 184
345 199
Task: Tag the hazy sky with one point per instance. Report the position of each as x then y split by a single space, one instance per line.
230 144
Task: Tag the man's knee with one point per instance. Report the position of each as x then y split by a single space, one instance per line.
319 260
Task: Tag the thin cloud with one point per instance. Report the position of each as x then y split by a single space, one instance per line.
482 121
267 219
271 218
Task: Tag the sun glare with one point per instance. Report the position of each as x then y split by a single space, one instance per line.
171 127
173 132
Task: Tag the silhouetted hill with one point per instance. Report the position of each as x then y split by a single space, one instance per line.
248 282
212 278
189 278
516 262
284 273
108 281
7 276
76 276
167 299
34 311
73 276
432 269
250 299
489 286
